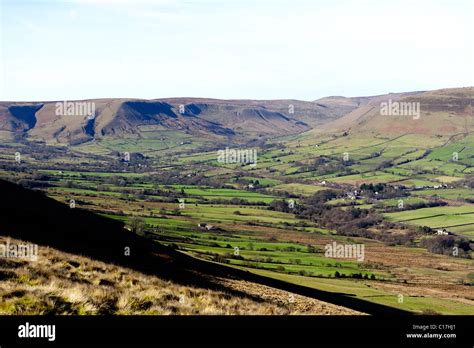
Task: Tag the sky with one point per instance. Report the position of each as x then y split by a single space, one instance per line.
232 49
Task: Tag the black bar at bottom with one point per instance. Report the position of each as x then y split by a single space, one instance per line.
449 331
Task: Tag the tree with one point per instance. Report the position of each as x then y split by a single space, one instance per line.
137 224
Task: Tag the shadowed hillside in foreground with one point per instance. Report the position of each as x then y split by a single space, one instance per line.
31 216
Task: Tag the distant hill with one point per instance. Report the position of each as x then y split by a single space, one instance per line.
209 118
244 120
441 112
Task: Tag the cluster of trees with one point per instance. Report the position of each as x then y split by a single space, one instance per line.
352 221
343 221
447 245
282 206
383 191
175 177
256 183
354 275
31 184
233 201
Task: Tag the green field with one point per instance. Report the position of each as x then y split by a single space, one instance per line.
360 290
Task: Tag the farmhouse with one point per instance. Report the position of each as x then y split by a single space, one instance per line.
205 226
443 232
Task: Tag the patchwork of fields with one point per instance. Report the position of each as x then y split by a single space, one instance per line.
265 218
278 244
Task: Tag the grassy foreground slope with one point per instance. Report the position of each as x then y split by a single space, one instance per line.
63 283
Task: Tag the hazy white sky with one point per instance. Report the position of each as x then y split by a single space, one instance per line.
267 49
